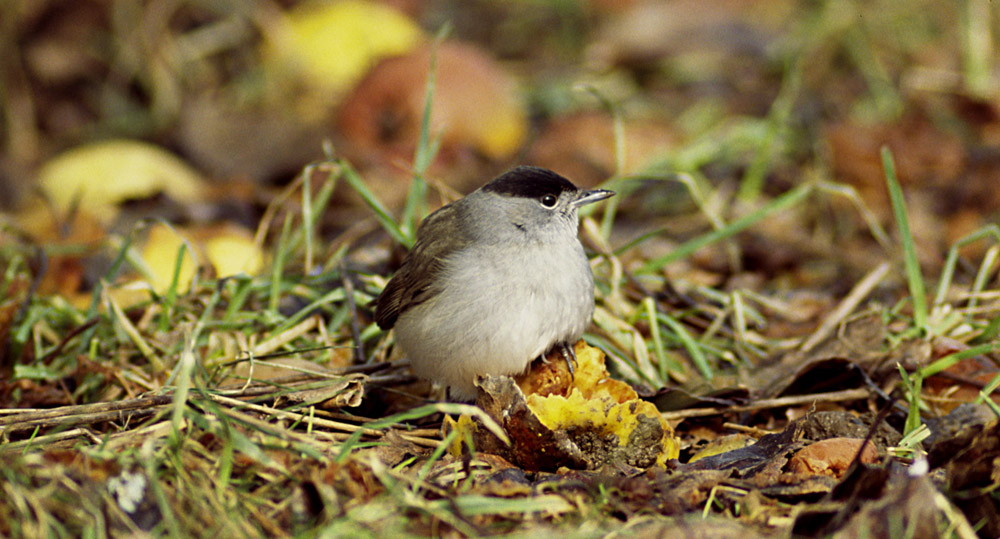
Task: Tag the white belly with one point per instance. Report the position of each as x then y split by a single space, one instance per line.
498 313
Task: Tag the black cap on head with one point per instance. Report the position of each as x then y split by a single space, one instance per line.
529 182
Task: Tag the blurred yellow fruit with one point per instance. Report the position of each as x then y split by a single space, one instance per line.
232 251
229 250
103 174
160 255
332 45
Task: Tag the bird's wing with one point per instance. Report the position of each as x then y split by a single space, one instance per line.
414 282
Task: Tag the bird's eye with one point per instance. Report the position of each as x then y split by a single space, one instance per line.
548 201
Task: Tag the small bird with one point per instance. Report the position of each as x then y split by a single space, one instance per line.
494 280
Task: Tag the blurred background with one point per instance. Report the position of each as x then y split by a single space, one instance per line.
200 111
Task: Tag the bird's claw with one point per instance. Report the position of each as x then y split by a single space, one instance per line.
569 354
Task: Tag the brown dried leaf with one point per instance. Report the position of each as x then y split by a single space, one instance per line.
831 457
475 105
582 146
335 392
971 460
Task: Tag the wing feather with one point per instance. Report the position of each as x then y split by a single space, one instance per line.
438 236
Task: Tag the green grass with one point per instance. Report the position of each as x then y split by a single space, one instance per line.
162 390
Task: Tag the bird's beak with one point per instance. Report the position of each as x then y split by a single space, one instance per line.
587 197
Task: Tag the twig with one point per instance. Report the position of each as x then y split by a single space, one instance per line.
258 387
359 350
392 379
49 439
85 409
83 419
752 431
275 430
846 306
315 421
277 341
834 396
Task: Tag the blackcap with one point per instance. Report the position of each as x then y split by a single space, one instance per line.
494 280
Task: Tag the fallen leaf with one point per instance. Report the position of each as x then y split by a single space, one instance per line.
875 501
971 460
475 105
582 146
331 45
232 251
923 153
160 253
227 249
831 457
722 445
104 174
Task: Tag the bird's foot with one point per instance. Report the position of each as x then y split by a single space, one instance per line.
569 354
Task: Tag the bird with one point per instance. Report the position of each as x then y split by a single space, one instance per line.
493 281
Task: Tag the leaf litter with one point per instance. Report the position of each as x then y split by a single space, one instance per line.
772 363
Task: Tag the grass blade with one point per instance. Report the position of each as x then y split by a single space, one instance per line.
913 276
382 215
753 179
787 200
692 346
